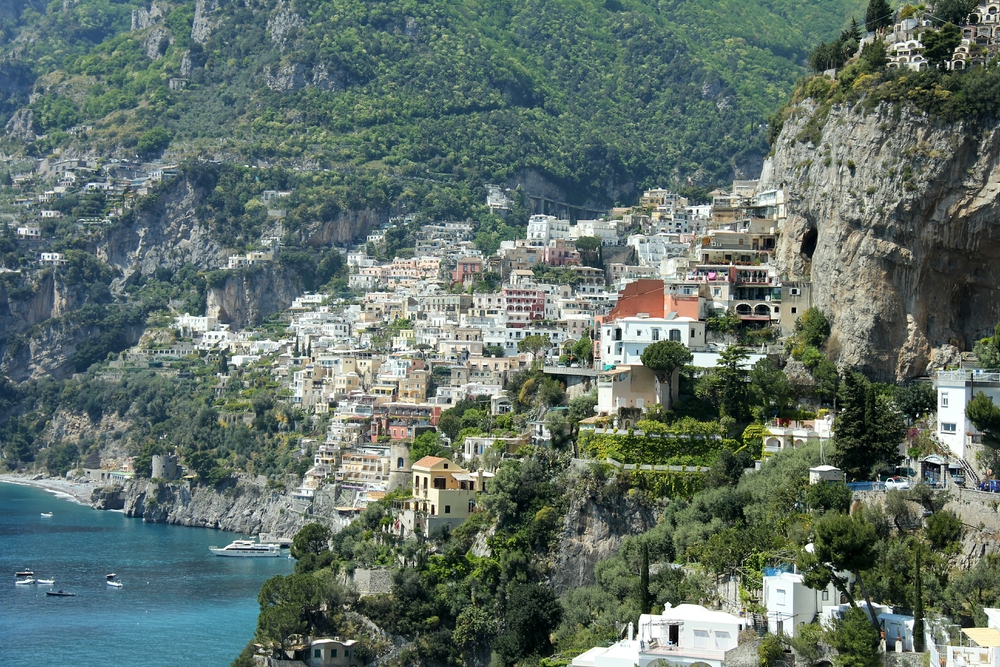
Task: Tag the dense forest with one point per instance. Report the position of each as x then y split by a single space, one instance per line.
595 97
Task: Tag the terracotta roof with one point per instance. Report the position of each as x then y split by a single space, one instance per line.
429 461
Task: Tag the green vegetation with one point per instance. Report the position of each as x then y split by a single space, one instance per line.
585 94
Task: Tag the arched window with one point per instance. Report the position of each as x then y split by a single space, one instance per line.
399 462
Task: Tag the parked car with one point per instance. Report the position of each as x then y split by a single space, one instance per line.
990 485
896 484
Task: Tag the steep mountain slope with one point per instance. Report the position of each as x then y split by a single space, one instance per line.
894 215
593 97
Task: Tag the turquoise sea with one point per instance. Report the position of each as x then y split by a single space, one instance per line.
180 605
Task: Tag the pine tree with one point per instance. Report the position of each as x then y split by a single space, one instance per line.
645 599
868 429
878 15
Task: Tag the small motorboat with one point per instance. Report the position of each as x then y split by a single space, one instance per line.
26 572
45 582
46 515
115 584
111 576
60 594
25 582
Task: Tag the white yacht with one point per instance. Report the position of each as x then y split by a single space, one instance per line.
247 549
25 577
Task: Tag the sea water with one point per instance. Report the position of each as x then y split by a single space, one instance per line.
179 605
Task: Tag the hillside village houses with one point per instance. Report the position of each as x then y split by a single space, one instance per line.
443 325
120 181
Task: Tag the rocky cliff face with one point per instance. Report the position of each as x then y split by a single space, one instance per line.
894 217
348 226
243 507
166 232
248 296
593 530
48 298
48 352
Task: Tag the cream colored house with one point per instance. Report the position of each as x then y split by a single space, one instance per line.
444 493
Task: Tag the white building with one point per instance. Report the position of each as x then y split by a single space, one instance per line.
29 232
955 389
249 259
195 323
624 340
652 249
787 434
980 647
52 259
791 604
681 635
606 230
544 228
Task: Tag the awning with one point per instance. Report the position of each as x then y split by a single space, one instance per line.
985 637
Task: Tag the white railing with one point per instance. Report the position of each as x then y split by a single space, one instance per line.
967 374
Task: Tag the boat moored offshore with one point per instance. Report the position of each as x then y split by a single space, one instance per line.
247 549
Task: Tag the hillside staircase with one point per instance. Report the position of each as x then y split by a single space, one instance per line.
970 474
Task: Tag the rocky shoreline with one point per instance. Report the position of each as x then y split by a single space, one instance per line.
242 505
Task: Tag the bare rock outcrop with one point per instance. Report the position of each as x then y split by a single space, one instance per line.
894 218
248 296
142 18
243 506
166 233
202 25
593 530
22 125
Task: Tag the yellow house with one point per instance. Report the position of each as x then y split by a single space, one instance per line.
443 494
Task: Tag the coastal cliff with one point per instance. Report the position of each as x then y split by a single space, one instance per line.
893 216
243 506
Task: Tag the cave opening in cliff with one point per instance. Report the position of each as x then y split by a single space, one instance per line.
809 243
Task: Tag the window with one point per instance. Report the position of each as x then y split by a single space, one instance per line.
333 653
347 653
399 462
721 640
701 638
826 595
447 509
716 291
794 310
656 334
944 399
948 428
318 653
675 335
780 596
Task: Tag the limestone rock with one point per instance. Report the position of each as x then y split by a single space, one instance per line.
283 21
247 297
202 25
142 18
593 530
157 41
287 77
894 217
22 125
166 234
242 505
